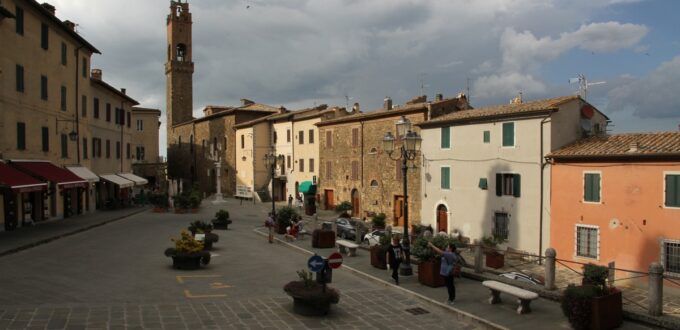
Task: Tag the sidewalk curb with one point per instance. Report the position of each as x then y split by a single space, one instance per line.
70 233
461 315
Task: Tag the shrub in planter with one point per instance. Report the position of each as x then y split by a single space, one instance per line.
429 262
188 253
182 201
593 305
283 218
309 297
378 220
343 207
194 199
576 305
221 220
159 202
199 226
494 259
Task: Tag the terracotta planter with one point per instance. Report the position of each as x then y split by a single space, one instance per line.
159 210
323 239
494 259
194 210
180 211
607 312
378 259
222 225
428 273
186 262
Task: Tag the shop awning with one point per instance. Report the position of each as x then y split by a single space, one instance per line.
83 172
307 188
117 180
19 181
139 181
47 171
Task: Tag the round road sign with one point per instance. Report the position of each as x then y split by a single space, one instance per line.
335 260
315 264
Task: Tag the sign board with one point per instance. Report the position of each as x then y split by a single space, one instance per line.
315 264
199 237
335 260
244 191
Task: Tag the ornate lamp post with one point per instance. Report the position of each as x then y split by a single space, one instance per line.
408 151
270 161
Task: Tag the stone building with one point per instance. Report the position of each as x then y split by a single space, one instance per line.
146 161
354 168
58 119
196 144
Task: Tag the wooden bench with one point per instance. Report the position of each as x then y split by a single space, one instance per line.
347 247
524 296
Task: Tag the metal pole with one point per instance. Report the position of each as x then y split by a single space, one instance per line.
405 267
273 204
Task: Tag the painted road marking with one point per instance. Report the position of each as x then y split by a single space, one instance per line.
180 278
220 285
191 296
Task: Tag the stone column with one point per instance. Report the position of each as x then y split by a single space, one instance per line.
478 257
218 191
550 256
655 294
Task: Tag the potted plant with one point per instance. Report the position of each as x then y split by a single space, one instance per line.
204 228
194 200
378 251
494 259
344 207
309 297
429 263
188 253
221 220
159 202
182 202
378 221
607 303
283 217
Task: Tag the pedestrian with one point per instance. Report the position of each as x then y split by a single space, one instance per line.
290 200
269 223
394 256
293 230
449 262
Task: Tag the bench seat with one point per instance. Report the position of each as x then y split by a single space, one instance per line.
347 247
525 297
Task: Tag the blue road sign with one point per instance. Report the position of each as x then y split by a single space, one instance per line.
315 264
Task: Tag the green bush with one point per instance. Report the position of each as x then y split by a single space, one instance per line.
195 199
343 207
576 305
182 201
423 252
159 200
596 275
199 226
283 216
378 220
222 215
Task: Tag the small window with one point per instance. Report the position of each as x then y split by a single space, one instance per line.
19 20
108 148
45 139
44 36
373 150
311 136
127 151
243 141
508 184
591 187
487 136
128 119
329 139
20 78
501 224
84 106
95 107
289 161
672 190
84 68
21 136
275 137
117 149
43 88
355 170
670 254
355 137
63 53
508 134
63 98
301 137
94 147
108 112
329 170
301 164
446 137
445 178
374 183
311 165
84 148
587 241
64 146
287 135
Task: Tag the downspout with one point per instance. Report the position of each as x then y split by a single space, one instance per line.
77 115
540 212
292 163
122 126
362 154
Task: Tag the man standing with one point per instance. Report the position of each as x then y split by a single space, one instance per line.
395 254
269 223
449 261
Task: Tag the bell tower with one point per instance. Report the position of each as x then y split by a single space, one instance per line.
179 68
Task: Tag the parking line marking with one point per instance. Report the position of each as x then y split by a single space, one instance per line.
180 278
189 295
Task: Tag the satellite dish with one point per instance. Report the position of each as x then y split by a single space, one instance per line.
586 124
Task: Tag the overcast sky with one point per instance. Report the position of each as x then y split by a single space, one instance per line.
298 53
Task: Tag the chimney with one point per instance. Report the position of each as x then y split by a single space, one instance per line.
96 74
70 25
245 102
439 97
387 104
122 90
49 8
633 147
355 107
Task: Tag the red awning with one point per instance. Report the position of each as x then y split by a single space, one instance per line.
18 181
50 172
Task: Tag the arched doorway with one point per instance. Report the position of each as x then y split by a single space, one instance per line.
355 203
442 218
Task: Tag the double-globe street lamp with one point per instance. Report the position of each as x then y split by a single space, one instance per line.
270 161
408 151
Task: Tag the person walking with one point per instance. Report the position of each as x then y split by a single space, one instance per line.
448 264
290 200
394 256
269 223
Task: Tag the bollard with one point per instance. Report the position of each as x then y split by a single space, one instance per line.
655 294
315 219
478 257
550 256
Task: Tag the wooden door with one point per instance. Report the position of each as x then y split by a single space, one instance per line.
355 204
442 219
329 199
398 219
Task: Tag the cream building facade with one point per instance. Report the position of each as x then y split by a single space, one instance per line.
484 171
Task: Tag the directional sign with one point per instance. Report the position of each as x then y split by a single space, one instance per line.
335 260
315 264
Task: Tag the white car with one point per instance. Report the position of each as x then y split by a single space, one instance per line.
373 238
521 277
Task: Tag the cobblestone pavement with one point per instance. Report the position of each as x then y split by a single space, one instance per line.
364 309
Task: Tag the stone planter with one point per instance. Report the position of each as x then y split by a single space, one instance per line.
494 259
310 308
159 210
378 259
323 239
311 300
186 262
221 225
428 273
607 312
180 211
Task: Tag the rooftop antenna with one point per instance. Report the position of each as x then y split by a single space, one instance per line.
467 88
583 84
347 98
422 83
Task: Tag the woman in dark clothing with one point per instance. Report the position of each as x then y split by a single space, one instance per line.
395 254
449 261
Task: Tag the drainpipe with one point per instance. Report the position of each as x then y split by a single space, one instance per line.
540 211
362 154
76 52
122 126
292 163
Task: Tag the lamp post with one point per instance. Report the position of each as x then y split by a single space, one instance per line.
270 161
408 151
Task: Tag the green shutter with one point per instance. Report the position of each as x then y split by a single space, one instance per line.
446 178
446 137
487 136
499 184
508 134
587 188
596 188
591 187
483 184
673 190
516 184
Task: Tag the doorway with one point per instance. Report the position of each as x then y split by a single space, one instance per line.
355 203
442 218
398 219
328 199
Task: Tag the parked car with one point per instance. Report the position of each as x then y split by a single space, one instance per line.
522 278
346 228
373 238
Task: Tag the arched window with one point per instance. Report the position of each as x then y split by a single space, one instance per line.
373 151
181 52
374 183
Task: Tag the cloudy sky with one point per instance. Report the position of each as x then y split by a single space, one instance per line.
298 53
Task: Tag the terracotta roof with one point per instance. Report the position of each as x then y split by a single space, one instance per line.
62 26
622 146
223 111
140 109
255 121
502 110
379 113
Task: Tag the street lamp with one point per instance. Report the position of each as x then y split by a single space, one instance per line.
270 161
408 151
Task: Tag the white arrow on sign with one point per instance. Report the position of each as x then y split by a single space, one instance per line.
315 263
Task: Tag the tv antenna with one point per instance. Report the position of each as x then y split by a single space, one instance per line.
347 98
583 84
422 83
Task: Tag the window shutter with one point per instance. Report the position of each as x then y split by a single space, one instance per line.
21 136
446 137
487 136
445 178
587 188
508 134
516 185
355 137
329 139
672 190
45 139
596 188
499 184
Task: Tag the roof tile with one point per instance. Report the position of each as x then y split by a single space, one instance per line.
623 145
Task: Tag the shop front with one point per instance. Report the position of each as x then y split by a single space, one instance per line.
21 198
90 191
308 190
114 191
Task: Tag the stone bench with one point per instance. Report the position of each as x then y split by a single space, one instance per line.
524 296
344 246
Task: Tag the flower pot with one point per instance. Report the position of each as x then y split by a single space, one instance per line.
312 299
378 259
428 273
186 262
607 311
194 210
159 210
310 308
280 229
180 211
323 239
221 225
494 259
